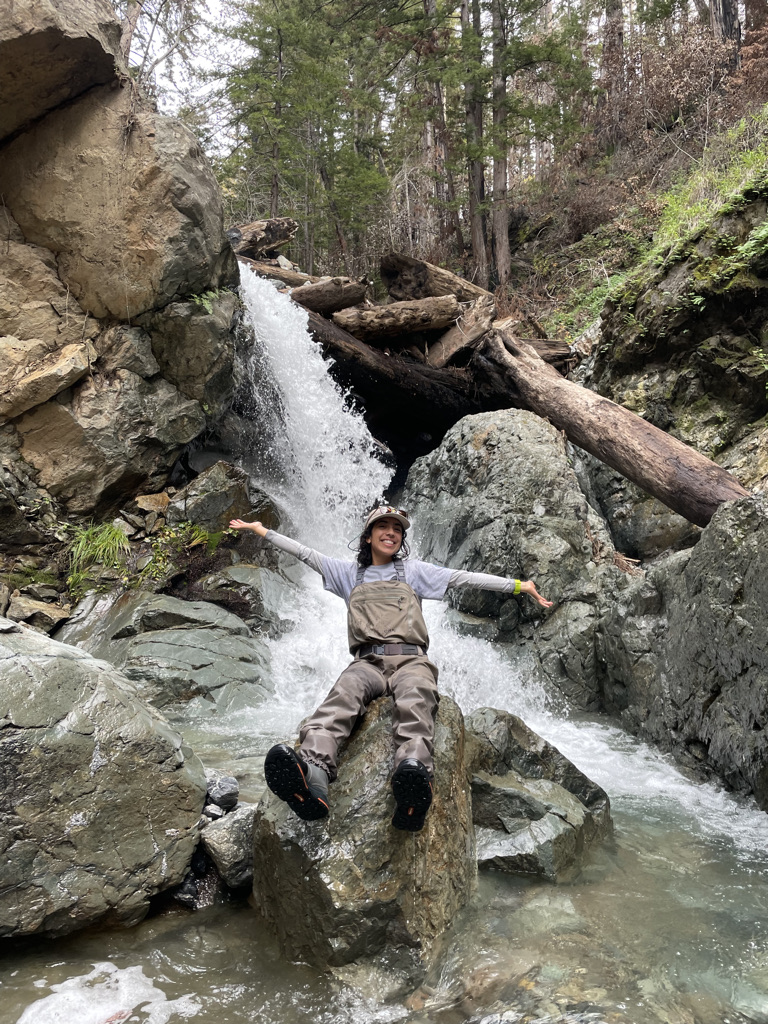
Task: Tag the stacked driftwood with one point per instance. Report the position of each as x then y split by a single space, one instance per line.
436 352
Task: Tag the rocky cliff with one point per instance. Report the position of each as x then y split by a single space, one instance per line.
112 229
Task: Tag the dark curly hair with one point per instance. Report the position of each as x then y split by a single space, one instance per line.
364 557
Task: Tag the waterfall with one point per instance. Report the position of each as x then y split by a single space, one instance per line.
331 472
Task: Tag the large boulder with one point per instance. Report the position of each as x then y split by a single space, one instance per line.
535 812
684 651
50 52
152 228
349 886
500 495
99 803
192 342
98 442
218 495
173 650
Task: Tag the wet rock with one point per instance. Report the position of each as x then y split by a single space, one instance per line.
39 614
40 592
229 844
52 52
213 811
99 803
536 812
500 495
172 649
223 790
212 499
347 887
152 229
685 651
253 592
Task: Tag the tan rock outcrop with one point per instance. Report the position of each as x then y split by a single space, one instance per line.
37 379
64 48
125 198
113 435
33 301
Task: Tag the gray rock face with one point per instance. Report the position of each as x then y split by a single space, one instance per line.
173 650
536 812
499 495
641 527
229 844
194 348
98 805
51 52
345 887
685 651
212 499
255 592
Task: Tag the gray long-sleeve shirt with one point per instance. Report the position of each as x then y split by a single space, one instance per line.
429 582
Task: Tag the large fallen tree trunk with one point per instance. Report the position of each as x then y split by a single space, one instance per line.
399 318
328 295
272 270
686 481
468 329
408 278
261 236
409 406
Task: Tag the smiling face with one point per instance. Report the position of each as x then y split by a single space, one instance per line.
386 540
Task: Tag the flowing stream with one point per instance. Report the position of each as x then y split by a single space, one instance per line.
666 925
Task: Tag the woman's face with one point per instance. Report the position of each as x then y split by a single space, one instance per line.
386 540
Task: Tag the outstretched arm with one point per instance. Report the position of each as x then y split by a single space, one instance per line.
486 581
312 558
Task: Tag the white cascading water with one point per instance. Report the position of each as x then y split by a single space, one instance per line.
332 475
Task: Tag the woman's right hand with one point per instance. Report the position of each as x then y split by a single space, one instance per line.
240 524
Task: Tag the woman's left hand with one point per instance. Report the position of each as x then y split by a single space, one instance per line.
529 587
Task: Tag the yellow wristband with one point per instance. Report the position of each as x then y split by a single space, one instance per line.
518 586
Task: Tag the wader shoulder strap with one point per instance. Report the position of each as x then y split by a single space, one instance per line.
398 567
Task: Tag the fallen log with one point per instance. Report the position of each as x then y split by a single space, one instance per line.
408 405
330 294
261 236
409 278
468 329
272 270
683 479
399 318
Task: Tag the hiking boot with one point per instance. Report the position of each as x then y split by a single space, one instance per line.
303 786
412 788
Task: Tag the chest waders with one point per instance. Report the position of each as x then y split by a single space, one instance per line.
389 638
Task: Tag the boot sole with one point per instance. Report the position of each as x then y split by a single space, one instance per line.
285 778
413 798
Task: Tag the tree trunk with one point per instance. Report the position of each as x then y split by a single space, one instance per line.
500 209
684 480
471 326
473 106
128 27
613 62
724 21
384 322
409 278
330 295
261 236
272 270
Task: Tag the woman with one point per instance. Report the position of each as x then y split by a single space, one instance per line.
387 635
